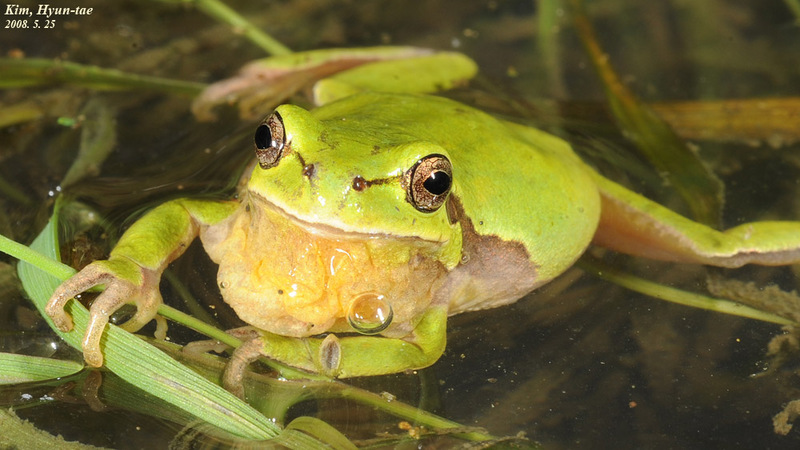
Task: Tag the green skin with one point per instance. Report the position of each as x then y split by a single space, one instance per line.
332 221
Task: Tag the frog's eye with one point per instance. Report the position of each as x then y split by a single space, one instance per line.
270 141
429 182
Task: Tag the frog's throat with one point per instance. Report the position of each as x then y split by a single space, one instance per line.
293 278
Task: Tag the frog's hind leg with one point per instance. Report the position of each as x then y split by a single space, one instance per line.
632 224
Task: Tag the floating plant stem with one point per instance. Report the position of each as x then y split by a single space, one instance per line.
41 71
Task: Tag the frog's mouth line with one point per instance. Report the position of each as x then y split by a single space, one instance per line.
329 231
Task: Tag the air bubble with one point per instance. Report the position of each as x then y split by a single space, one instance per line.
370 313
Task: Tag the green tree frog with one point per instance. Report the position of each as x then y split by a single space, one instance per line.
369 220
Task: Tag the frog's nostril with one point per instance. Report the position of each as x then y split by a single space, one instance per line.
309 170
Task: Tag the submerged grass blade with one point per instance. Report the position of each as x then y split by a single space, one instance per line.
681 297
13 193
20 113
40 71
654 138
142 364
240 25
98 138
318 430
794 7
774 121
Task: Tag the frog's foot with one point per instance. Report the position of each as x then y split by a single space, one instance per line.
125 283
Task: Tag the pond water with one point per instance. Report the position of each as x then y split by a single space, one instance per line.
578 363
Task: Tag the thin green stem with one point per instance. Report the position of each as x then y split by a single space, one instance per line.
225 14
36 259
198 325
412 413
547 40
681 297
41 71
794 7
12 192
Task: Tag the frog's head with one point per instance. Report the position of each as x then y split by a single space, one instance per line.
350 216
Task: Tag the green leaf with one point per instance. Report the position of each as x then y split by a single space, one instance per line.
653 137
23 368
601 270
41 71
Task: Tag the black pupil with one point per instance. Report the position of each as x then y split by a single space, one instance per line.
263 137
437 183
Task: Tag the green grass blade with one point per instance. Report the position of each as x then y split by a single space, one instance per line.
653 137
23 368
679 296
321 431
40 71
224 14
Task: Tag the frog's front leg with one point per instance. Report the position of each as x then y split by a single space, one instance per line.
349 356
133 270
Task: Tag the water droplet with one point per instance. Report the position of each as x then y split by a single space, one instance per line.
370 313
338 260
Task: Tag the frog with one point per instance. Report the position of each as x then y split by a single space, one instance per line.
368 220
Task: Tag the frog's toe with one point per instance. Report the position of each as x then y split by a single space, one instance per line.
87 278
55 309
116 294
232 378
91 340
146 309
245 334
205 346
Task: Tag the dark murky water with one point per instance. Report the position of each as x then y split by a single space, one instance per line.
580 363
